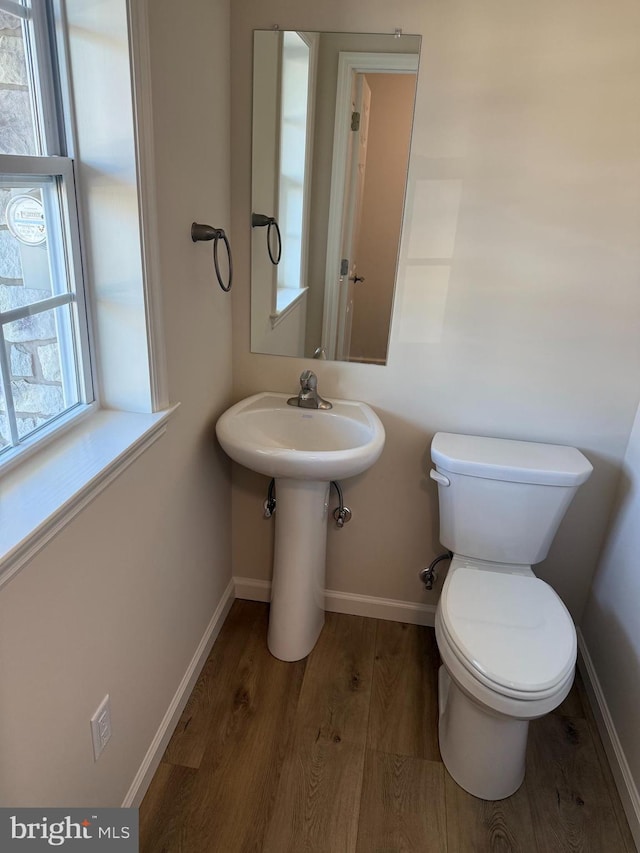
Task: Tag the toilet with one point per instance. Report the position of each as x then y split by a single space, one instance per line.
506 640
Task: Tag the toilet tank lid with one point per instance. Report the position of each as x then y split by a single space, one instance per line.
509 460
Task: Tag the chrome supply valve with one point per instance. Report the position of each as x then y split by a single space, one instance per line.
342 514
428 577
270 502
269 508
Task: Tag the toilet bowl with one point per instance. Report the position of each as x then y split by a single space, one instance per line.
508 649
507 642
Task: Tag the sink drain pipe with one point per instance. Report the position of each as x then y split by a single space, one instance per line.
341 513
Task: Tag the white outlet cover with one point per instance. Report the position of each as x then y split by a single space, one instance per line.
101 727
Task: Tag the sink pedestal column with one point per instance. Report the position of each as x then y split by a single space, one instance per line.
297 592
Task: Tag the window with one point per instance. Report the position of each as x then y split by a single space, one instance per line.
296 115
45 384
44 358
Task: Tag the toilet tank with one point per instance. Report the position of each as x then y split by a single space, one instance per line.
503 500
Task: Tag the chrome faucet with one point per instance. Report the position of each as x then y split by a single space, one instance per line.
308 398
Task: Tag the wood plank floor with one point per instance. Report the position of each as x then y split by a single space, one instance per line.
339 754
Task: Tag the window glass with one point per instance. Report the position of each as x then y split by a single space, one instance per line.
44 356
5 432
293 157
28 215
44 382
17 125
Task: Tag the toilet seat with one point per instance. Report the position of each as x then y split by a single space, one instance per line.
509 631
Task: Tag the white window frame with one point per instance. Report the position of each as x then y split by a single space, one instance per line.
46 67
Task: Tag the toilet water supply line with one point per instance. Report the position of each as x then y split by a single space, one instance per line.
429 576
341 513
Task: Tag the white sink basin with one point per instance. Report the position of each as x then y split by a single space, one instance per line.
266 435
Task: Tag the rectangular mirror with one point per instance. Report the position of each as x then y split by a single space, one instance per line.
332 121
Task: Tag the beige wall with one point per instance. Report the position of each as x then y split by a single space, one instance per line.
517 306
392 99
610 625
118 602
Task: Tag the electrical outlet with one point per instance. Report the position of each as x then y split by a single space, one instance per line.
101 727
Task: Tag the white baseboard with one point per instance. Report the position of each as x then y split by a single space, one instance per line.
253 590
380 608
347 602
619 767
152 759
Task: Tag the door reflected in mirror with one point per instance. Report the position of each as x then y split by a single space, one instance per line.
332 120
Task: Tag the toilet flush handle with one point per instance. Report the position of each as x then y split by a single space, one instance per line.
440 479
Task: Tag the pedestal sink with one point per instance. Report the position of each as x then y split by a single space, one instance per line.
304 450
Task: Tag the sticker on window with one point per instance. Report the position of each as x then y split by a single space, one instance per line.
25 220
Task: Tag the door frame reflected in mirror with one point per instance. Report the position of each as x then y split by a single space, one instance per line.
350 64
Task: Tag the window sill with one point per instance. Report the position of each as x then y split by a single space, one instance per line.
42 495
287 298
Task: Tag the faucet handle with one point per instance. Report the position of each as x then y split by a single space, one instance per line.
308 380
